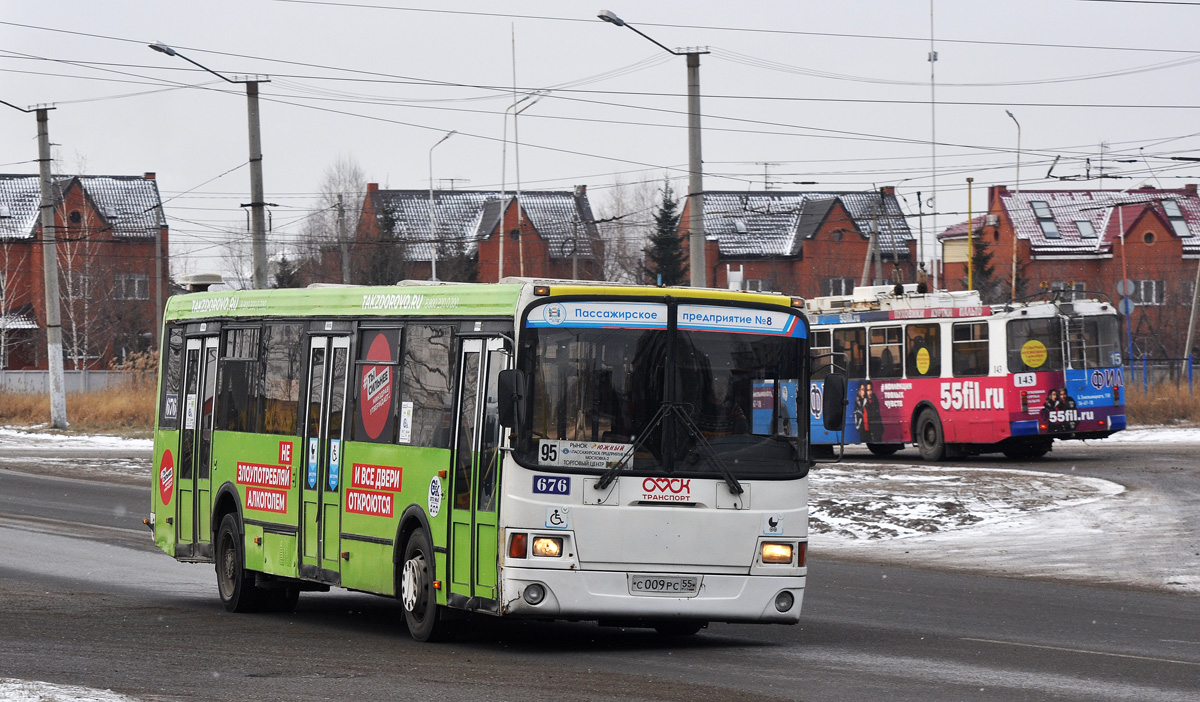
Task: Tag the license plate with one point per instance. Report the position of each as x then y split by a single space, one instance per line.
664 585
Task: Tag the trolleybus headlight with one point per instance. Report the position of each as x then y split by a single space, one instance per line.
776 553
547 547
534 594
783 601
517 547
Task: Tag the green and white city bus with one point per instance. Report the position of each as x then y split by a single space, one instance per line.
542 449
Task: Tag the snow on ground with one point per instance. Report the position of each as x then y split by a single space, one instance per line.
1156 435
26 439
12 690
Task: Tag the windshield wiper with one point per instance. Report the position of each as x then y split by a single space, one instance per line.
676 408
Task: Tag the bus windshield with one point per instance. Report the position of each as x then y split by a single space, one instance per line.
598 396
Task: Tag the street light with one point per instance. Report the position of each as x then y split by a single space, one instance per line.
257 206
533 99
1013 295
432 216
696 263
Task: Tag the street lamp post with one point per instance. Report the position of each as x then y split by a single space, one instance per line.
432 216
1013 294
535 96
258 217
696 264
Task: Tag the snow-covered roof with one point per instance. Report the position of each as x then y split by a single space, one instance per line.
20 318
472 215
1087 222
776 223
128 205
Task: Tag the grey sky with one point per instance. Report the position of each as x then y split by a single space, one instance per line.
832 92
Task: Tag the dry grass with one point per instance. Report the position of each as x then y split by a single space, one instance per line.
1164 404
127 410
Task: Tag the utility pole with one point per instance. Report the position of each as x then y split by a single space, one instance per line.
342 243
970 241
695 197
258 216
1013 294
575 247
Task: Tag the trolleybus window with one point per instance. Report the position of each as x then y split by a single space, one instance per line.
852 342
924 356
1035 345
1094 342
281 381
969 355
886 352
819 359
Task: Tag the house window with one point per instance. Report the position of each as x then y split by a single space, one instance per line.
1148 237
132 286
839 286
1086 230
756 285
1189 288
1175 217
1045 218
1072 290
1148 292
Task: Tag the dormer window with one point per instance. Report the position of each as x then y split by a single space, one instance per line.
5 213
1086 230
1045 219
1175 217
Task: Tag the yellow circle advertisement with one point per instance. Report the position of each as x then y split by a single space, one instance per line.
922 361
1033 353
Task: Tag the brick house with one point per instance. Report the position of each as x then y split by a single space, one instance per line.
801 243
1071 240
107 227
552 234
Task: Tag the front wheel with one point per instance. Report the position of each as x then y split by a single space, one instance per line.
234 583
930 440
417 593
884 449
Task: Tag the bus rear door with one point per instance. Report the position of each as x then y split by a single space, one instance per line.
474 541
193 531
320 504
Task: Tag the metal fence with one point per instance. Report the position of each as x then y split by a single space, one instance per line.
1146 372
37 382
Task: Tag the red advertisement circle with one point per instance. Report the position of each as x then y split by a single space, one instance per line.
166 477
376 407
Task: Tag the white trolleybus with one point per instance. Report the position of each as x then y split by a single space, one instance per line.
553 450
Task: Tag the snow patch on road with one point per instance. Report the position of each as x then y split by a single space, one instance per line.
24 438
13 690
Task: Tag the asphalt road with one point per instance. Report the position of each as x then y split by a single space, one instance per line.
86 600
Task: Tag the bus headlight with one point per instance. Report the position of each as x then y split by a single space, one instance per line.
547 546
776 553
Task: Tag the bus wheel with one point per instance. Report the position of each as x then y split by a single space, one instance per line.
681 627
234 582
929 436
416 589
884 449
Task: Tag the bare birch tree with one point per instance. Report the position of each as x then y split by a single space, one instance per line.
629 208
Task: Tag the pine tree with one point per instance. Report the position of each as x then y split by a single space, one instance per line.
665 253
983 274
287 273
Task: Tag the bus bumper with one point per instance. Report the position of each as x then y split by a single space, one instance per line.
598 594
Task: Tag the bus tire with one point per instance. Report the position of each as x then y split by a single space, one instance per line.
417 594
679 627
884 449
234 583
930 439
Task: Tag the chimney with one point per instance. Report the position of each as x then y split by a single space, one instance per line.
372 187
148 175
1190 188
581 190
888 190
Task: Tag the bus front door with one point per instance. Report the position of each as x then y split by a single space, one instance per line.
320 504
193 531
474 538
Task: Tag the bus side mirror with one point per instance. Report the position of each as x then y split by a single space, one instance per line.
511 397
833 406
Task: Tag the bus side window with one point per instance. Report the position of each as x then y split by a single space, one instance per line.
819 362
282 359
885 352
852 342
425 385
170 400
924 356
969 355
375 375
240 381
